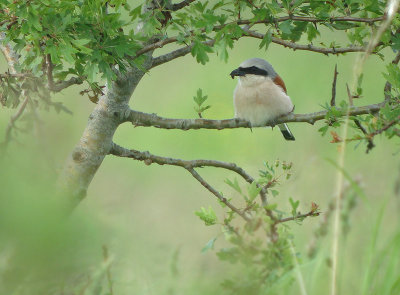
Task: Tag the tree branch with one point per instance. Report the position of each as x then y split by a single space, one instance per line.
308 47
187 49
177 53
152 120
61 85
162 43
217 194
181 5
148 159
300 216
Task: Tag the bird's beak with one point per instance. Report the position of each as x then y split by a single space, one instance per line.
237 72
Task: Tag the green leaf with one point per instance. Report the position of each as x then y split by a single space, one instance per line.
393 75
295 205
80 45
234 185
91 71
286 27
229 254
208 216
200 98
200 50
275 192
312 32
135 13
266 40
253 190
209 245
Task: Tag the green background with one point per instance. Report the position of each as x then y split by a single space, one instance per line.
145 214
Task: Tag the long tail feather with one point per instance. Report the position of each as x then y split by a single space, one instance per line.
287 134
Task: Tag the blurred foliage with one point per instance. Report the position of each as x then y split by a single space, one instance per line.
87 40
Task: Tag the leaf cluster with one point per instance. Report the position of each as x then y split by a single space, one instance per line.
260 248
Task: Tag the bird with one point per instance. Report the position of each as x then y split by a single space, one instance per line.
260 96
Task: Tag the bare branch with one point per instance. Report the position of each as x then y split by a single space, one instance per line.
60 85
371 144
162 43
308 47
384 128
181 5
299 217
176 53
152 120
217 194
349 95
333 99
148 159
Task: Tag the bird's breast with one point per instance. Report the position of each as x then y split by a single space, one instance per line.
261 102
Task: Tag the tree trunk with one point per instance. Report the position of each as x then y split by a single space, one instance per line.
96 141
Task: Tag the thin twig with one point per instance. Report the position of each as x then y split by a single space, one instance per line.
349 95
308 47
160 44
384 128
149 158
333 99
61 85
189 166
152 120
216 193
371 144
299 217
159 60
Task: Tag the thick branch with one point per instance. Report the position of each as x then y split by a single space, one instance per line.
148 158
147 120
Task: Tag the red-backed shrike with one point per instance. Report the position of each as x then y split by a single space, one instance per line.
260 95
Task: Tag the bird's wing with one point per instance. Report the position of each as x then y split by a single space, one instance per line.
278 81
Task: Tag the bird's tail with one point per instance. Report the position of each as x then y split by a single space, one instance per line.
287 134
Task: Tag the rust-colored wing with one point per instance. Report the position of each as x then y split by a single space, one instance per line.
278 81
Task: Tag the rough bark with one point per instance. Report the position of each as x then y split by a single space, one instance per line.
96 140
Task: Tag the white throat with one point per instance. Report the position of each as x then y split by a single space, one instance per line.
252 80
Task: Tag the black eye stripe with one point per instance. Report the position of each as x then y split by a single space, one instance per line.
254 70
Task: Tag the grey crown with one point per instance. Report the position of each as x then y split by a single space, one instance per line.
261 64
